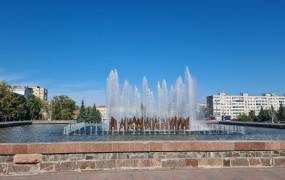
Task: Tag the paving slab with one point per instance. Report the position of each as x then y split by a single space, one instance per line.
182 174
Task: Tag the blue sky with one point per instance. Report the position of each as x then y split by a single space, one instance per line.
70 46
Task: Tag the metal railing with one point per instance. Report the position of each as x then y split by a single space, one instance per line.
85 128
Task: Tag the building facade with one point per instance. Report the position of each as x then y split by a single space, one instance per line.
22 90
201 109
41 93
103 111
27 91
221 104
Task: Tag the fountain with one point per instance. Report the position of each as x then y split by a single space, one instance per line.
165 110
168 110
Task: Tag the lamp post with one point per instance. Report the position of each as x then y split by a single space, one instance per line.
50 113
272 114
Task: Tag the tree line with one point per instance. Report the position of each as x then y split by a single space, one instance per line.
89 114
14 107
265 115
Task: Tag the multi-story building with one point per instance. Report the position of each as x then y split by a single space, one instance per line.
22 90
41 93
201 109
103 111
26 91
221 104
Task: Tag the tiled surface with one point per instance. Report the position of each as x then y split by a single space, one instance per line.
195 174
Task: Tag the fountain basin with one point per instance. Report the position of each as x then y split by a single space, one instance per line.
136 155
54 133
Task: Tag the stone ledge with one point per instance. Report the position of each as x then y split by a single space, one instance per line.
140 146
27 158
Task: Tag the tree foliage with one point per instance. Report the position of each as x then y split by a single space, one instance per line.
281 113
264 115
89 114
35 106
62 108
12 106
82 113
252 116
244 117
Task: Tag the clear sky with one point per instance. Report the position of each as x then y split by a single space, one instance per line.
70 46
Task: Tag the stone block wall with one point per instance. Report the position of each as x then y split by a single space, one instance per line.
18 159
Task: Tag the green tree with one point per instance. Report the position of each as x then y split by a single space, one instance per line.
281 113
244 117
82 114
96 115
12 106
264 115
252 116
89 114
5 97
19 108
62 108
35 106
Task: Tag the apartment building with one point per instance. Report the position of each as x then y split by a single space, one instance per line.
26 91
41 93
22 90
103 111
221 104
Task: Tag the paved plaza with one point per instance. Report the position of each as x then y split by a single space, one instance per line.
183 174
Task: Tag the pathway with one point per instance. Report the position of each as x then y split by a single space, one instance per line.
184 174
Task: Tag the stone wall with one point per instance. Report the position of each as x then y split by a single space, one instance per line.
43 158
